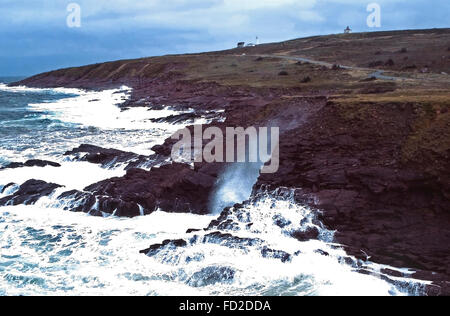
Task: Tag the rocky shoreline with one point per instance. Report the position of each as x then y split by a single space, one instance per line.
350 155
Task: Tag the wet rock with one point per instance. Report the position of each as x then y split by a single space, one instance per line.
229 240
189 117
223 217
280 221
192 230
308 234
166 244
322 253
80 202
275 254
393 273
31 163
171 188
103 156
116 207
178 119
29 193
228 224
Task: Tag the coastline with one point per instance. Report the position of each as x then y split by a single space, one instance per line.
356 150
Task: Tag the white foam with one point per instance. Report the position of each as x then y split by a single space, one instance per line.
96 118
72 175
50 252
100 109
22 89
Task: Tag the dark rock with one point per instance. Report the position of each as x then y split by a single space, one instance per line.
229 240
172 188
31 163
308 234
192 230
393 273
166 244
82 201
280 221
189 117
321 252
29 193
103 156
275 254
222 218
283 73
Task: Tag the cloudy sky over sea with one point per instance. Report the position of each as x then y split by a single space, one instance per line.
35 37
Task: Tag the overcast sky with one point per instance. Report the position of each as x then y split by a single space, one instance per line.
35 37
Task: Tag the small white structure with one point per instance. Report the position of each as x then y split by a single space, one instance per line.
254 44
242 44
348 30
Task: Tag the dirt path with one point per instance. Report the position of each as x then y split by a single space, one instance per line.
377 73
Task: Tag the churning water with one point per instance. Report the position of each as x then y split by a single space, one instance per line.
46 250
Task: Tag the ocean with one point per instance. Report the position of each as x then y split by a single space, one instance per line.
45 250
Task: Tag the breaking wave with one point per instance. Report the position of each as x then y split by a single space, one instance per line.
50 251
